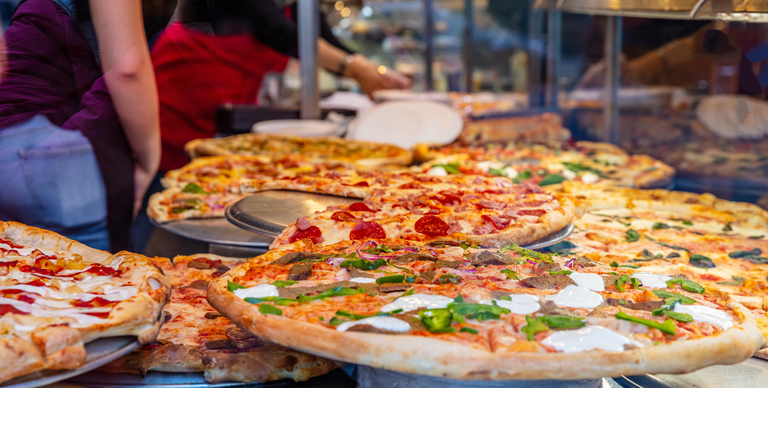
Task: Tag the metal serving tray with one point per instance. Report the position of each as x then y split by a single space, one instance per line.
216 231
753 373
100 352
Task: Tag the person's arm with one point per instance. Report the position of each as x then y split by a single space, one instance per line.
131 82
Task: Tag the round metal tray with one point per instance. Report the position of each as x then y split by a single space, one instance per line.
100 352
752 373
215 230
270 212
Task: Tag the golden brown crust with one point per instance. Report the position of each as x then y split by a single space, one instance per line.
264 365
55 346
427 356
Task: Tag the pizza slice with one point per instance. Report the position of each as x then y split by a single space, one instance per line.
197 338
57 295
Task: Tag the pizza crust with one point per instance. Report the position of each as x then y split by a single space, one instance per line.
427 356
62 347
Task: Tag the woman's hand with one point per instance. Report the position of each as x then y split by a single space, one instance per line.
372 77
142 179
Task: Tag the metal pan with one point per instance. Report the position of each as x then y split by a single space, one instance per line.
99 352
216 231
753 373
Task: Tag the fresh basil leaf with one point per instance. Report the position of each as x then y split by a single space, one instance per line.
459 299
335 321
672 255
362 264
673 295
321 318
619 283
437 320
744 254
668 305
390 279
468 330
283 283
551 179
667 327
496 172
688 285
527 253
476 311
736 281
565 322
667 245
679 316
635 282
334 292
511 274
505 297
727 227
234 286
193 189
525 175
700 261
632 235
756 237
533 326
614 264
683 221
449 168
407 293
269 309
559 272
659 225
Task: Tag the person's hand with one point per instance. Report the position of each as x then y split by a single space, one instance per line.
639 71
372 77
141 181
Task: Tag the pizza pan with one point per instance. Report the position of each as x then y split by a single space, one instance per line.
269 212
216 231
551 239
98 353
752 373
369 377
335 378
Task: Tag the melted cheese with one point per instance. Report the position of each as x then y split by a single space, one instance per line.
588 338
652 280
363 280
418 301
706 314
259 291
590 281
437 171
519 304
576 297
384 323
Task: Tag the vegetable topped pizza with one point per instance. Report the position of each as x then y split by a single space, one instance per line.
353 154
57 294
453 310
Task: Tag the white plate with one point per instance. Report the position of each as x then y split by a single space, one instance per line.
406 124
305 128
410 96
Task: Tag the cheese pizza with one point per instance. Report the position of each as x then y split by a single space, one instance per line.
329 150
196 338
460 312
57 295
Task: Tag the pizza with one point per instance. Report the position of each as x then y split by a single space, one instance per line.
587 162
685 143
708 240
540 127
57 295
457 311
422 207
197 338
397 204
331 150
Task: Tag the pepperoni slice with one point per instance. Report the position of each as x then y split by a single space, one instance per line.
432 225
496 221
532 212
6 308
358 206
313 233
411 185
367 230
362 184
447 199
342 216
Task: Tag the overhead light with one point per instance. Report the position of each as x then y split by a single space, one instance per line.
339 5
367 11
345 12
